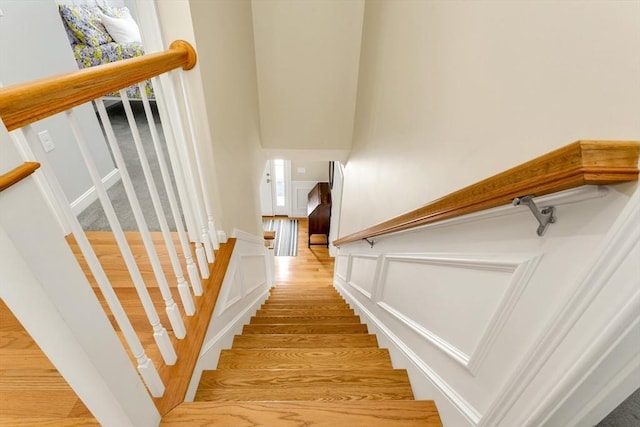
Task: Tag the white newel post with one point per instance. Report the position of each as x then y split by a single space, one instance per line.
43 285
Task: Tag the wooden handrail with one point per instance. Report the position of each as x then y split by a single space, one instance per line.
25 103
577 164
17 174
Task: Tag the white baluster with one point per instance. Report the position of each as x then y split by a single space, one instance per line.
173 138
145 366
183 286
171 308
160 334
203 203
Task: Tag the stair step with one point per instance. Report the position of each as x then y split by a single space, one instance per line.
305 305
317 358
304 341
334 328
304 319
275 384
362 413
275 312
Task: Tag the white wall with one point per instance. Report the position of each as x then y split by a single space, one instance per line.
307 59
33 44
451 92
504 328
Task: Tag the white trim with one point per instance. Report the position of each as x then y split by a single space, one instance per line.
90 196
626 320
522 269
231 325
465 408
246 288
442 344
344 278
619 242
247 237
375 274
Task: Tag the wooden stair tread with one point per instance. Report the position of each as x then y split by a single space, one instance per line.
317 320
302 312
304 306
361 413
294 377
333 328
304 340
319 358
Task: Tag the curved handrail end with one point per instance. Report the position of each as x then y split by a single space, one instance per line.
192 56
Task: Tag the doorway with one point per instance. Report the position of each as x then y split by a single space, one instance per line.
275 188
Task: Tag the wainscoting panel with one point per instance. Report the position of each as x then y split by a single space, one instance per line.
500 326
341 267
299 192
448 299
362 273
253 271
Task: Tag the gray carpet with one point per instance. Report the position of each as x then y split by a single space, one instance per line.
627 414
286 241
93 217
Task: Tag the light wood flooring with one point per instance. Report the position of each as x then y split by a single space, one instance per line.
317 334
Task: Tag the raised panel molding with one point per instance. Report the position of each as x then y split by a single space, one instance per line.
366 278
470 413
254 272
299 192
342 267
520 271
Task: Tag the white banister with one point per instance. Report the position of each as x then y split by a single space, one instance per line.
199 167
171 307
183 286
168 110
190 154
160 334
145 367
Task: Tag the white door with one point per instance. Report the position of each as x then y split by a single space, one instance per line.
266 191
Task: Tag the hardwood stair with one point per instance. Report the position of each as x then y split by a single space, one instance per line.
304 359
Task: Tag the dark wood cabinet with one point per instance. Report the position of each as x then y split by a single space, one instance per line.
319 211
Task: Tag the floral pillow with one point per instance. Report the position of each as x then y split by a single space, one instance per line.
84 24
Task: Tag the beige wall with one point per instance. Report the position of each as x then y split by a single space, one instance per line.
226 106
452 92
307 55
314 171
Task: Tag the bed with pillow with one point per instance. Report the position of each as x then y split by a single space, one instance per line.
100 33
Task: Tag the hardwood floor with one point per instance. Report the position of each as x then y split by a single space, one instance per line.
32 391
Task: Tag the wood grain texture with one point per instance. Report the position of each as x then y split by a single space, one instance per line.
325 358
399 413
25 103
334 328
17 174
176 378
278 384
577 164
293 312
301 320
32 391
304 340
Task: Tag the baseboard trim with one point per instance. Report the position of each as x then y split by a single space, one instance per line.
90 196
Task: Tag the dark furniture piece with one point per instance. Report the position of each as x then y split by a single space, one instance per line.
319 211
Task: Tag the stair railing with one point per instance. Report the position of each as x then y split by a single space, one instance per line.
21 105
